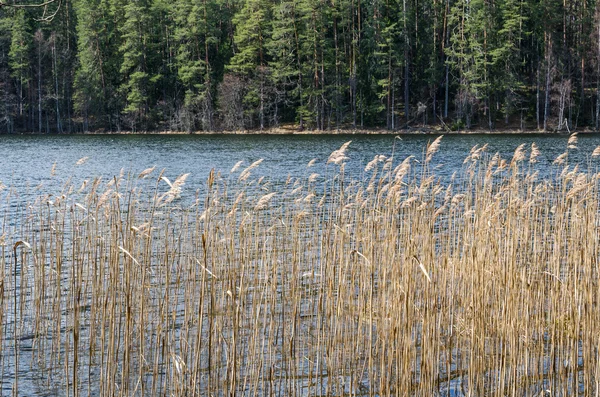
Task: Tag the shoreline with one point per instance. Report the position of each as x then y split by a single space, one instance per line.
292 131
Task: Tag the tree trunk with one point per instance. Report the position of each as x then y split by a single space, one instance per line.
55 73
393 108
435 104
537 95
598 83
39 38
208 105
262 102
338 117
406 68
547 91
389 95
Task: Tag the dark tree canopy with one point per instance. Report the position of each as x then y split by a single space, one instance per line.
189 65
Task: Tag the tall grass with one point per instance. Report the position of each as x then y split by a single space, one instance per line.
398 282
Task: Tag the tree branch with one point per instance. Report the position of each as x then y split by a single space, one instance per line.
46 16
43 4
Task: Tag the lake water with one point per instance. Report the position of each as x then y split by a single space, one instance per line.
26 161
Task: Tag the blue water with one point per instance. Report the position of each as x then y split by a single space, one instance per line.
26 161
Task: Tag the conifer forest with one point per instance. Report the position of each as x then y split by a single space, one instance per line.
224 65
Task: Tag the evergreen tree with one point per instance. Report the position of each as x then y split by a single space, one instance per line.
19 61
285 62
90 80
312 51
469 56
196 34
7 98
97 77
506 56
135 69
387 60
250 60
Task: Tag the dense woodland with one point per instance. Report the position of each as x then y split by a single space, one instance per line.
191 65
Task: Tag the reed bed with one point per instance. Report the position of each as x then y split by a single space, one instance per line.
394 282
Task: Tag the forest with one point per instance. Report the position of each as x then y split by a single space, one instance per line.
224 65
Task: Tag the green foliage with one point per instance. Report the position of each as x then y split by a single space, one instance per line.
135 33
20 46
325 64
250 60
285 53
469 54
252 32
197 36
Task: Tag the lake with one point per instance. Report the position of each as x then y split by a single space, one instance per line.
26 161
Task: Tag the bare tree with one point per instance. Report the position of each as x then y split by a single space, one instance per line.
51 7
563 100
231 108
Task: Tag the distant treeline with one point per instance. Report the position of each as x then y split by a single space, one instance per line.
317 64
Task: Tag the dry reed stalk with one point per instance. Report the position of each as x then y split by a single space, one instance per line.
572 141
236 166
433 148
246 172
145 173
560 160
339 155
82 161
535 153
263 202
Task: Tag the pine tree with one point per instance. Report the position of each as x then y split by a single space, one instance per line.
97 77
284 52
386 58
250 60
7 97
506 56
90 81
427 50
19 61
312 52
135 69
469 56
196 34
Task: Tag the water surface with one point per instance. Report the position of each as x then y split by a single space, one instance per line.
27 161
